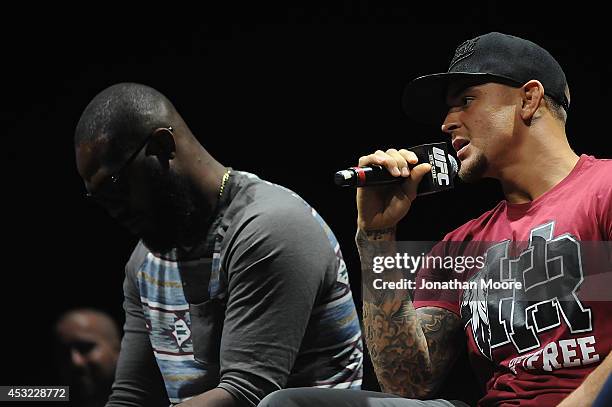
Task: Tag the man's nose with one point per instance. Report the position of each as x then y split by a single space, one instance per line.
77 358
451 123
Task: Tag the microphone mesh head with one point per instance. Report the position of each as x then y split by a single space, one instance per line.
454 165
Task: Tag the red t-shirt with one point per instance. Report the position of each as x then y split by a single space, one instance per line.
533 345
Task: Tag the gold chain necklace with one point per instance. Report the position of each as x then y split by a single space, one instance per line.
224 180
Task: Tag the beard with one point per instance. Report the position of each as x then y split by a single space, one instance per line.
475 167
180 214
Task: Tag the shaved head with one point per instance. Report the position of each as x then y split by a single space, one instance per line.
122 116
93 320
139 160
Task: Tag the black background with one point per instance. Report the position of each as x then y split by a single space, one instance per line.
289 93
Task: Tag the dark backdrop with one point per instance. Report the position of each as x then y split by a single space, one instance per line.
291 94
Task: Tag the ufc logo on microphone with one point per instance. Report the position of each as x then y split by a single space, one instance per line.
440 169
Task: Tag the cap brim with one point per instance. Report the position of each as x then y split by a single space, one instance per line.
424 98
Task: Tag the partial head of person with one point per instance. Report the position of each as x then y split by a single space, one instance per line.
502 98
140 161
88 343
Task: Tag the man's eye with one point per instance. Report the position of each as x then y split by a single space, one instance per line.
83 347
467 100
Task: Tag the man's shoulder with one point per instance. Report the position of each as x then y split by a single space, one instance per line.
591 183
274 217
605 162
136 258
265 201
597 167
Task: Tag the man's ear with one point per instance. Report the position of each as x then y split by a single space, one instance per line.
532 93
162 144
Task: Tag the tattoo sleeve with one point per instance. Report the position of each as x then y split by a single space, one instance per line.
411 350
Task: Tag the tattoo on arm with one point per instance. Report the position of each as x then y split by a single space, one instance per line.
441 329
411 350
399 340
378 234
397 347
370 244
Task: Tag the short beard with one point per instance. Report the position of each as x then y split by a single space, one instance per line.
180 212
475 171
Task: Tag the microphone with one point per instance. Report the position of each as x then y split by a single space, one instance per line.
444 168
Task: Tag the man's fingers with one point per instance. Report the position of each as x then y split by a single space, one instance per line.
416 175
419 172
396 162
409 156
383 159
400 162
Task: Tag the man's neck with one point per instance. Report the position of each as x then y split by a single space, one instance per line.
537 169
207 175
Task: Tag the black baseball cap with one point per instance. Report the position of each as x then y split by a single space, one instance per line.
492 57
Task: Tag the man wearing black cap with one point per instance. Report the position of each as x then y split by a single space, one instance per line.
503 102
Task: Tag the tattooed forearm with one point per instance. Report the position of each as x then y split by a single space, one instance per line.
378 234
371 244
410 349
441 329
399 340
397 347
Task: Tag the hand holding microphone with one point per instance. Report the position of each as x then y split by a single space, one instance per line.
421 170
444 168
